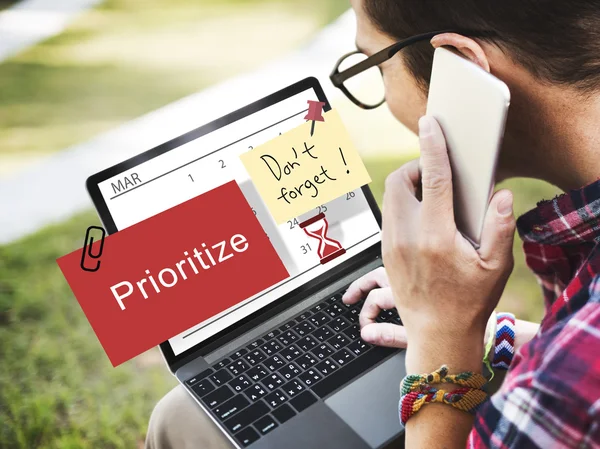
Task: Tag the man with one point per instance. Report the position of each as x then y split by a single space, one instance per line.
548 53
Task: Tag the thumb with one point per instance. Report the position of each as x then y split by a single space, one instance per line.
384 334
498 229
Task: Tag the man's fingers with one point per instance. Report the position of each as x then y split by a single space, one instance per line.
436 176
363 285
377 300
384 334
498 229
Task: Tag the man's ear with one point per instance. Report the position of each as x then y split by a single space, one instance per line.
465 45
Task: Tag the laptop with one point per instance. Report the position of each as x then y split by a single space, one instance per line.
285 368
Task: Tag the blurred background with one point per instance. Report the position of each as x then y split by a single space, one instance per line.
87 83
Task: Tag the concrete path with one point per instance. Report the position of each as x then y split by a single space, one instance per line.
54 189
31 21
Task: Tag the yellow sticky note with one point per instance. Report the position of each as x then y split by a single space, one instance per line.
296 172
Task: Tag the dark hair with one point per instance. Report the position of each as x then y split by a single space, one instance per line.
558 41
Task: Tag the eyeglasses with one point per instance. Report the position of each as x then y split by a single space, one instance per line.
369 85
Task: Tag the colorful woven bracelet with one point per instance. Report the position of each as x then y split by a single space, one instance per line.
504 349
465 399
416 382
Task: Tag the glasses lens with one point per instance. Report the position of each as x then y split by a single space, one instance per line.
367 87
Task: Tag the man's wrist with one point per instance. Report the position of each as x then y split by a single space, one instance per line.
459 353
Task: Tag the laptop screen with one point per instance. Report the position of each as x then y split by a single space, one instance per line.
211 160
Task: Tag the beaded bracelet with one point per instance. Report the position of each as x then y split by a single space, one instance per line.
466 399
415 382
504 349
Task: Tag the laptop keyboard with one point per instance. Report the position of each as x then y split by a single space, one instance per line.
256 389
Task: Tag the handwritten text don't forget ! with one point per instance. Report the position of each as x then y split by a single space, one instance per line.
296 172
309 186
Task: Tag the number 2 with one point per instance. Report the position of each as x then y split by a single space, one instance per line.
222 163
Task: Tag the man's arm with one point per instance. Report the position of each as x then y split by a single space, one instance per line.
443 288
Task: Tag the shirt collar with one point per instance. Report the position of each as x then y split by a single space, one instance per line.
571 218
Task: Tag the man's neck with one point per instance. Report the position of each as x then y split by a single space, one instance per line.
558 135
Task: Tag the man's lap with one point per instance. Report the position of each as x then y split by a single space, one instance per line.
177 422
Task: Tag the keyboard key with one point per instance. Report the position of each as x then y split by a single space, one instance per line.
353 332
257 373
304 316
358 347
289 371
254 357
310 377
283 413
334 310
287 338
238 367
271 347
342 357
339 324
274 363
203 387
222 364
326 367
246 416
303 401
221 377
273 381
271 335
293 388
288 325
332 299
352 315
238 354
352 369
240 383
255 392
319 307
307 343
323 333
319 319
338 342
265 424
305 361
304 328
218 396
256 344
247 436
199 377
322 351
290 353
231 407
275 399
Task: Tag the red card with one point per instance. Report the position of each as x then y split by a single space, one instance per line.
229 258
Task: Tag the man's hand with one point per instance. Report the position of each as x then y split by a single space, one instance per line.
375 287
443 288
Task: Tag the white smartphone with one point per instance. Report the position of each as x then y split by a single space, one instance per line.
471 106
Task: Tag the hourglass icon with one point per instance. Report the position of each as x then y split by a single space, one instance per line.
317 228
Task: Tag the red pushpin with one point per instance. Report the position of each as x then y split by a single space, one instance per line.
315 111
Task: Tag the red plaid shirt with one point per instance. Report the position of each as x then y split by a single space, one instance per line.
550 397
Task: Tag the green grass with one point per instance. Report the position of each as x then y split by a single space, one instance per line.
57 387
128 57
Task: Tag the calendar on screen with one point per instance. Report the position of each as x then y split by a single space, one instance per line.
213 159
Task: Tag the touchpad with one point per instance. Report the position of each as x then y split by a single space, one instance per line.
370 404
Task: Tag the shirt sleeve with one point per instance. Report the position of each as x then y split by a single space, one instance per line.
551 394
